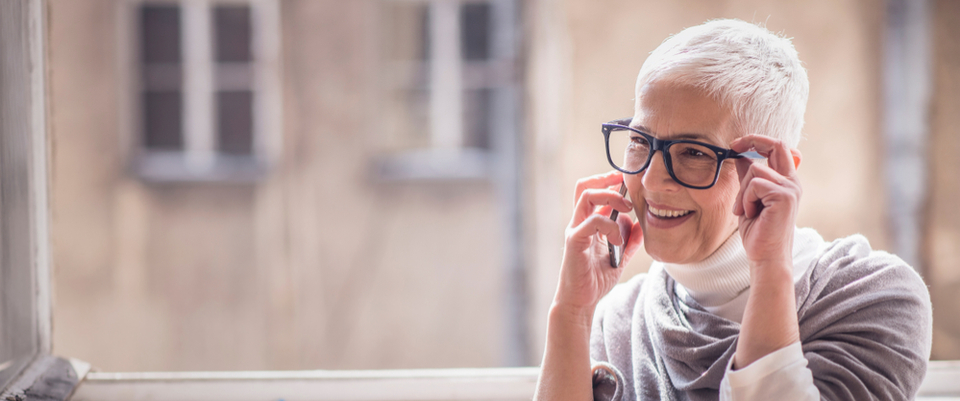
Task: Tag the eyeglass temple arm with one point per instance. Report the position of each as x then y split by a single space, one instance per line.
748 155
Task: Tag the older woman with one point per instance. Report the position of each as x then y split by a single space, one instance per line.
739 303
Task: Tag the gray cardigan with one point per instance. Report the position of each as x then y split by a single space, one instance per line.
865 329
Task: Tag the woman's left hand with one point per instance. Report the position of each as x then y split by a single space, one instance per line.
767 206
768 200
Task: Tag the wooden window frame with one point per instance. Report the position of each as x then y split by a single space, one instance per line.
199 160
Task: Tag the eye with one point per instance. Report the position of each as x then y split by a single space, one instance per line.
638 140
693 152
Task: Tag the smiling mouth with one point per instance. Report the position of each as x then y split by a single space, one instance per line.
667 214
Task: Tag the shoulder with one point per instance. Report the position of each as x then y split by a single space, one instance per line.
850 261
865 322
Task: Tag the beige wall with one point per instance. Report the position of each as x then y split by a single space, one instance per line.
318 266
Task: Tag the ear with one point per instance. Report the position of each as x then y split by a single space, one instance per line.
796 158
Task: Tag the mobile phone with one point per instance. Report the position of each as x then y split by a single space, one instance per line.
616 251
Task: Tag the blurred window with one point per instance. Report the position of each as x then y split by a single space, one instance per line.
450 86
203 84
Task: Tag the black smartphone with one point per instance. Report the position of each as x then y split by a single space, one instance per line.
616 251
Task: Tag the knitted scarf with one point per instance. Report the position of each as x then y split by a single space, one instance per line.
865 329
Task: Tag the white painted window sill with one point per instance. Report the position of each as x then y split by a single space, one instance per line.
494 384
178 167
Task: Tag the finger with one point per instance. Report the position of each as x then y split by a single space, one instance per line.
743 168
605 180
762 193
598 224
603 210
759 170
634 240
789 184
746 175
590 199
750 200
776 151
624 222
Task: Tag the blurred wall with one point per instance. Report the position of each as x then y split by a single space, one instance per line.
317 266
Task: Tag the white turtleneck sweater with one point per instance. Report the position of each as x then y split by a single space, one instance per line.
721 284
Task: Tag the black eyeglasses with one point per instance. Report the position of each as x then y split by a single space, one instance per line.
690 163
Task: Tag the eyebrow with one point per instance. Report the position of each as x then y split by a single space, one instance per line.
685 135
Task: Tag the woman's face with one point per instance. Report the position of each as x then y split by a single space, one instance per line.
670 111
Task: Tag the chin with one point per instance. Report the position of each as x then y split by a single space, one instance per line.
663 252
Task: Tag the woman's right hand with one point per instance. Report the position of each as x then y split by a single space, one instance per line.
586 274
585 277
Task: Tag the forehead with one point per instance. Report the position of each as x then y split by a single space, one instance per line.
672 111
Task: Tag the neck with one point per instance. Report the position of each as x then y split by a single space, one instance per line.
719 278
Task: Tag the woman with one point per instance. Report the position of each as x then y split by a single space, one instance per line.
739 304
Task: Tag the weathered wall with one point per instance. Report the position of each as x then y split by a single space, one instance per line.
318 266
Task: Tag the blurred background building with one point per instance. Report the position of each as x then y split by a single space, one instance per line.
362 184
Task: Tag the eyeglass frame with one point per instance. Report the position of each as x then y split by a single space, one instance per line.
663 145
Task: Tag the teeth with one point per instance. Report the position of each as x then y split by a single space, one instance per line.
667 213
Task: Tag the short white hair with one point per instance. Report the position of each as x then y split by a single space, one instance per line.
744 67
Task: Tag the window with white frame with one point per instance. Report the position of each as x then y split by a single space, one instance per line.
451 86
207 89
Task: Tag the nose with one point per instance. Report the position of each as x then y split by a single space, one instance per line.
657 178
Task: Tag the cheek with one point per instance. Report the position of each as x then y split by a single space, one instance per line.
634 188
717 201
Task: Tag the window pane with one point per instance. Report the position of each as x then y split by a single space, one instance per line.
232 27
160 30
476 118
162 116
235 117
475 31
161 77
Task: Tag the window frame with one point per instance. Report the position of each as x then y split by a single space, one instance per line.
200 160
447 158
35 373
